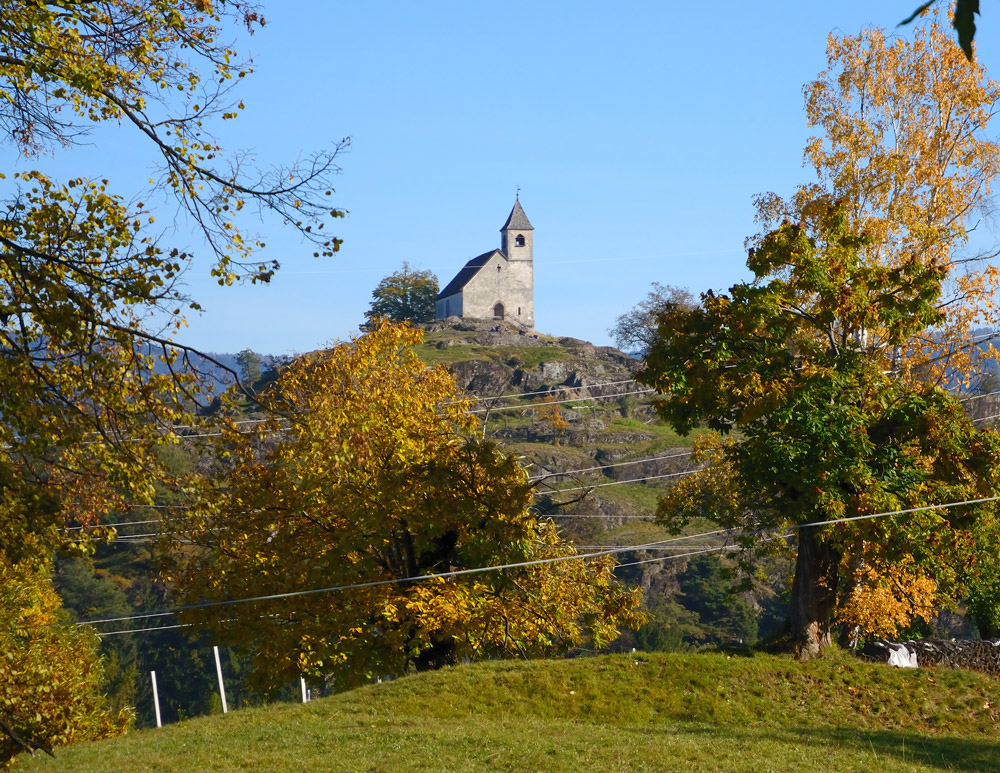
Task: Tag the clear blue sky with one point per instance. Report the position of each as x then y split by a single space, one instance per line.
638 133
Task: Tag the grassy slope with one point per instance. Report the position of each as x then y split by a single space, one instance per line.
626 712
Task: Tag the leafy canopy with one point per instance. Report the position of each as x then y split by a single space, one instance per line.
902 142
49 675
803 362
375 476
89 289
406 295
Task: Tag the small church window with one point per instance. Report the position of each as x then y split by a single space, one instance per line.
519 240
498 311
519 311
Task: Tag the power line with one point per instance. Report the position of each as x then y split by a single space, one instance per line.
661 547
605 466
149 536
376 583
707 549
102 634
515 565
513 395
499 567
533 479
559 402
710 549
594 515
109 525
615 483
660 559
978 397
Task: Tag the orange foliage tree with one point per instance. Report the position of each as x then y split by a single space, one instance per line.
90 299
374 479
903 147
50 676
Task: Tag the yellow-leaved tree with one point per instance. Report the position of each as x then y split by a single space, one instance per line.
373 480
89 294
50 674
904 147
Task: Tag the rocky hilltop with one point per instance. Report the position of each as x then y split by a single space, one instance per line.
488 359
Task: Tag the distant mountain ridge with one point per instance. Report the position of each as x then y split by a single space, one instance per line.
216 368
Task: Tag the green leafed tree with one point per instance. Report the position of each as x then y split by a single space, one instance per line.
800 365
407 295
376 479
724 616
249 363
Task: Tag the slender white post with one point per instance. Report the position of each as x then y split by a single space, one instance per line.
156 699
305 694
222 686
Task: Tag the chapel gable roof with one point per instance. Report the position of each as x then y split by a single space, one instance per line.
468 271
517 220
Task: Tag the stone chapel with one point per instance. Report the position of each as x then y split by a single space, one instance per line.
499 284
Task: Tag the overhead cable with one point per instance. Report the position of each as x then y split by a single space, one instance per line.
515 565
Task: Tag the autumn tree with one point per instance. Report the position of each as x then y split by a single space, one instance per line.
548 409
49 675
802 363
86 280
89 292
902 142
407 295
373 480
963 19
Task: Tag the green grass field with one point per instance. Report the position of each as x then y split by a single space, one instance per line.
706 712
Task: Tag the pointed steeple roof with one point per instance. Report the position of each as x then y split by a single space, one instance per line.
517 221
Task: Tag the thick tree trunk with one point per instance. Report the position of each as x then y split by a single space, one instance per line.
814 593
438 655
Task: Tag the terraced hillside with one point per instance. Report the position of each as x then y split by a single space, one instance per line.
581 424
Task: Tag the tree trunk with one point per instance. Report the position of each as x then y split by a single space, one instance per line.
814 593
441 653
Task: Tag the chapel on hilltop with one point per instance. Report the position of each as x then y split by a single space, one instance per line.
499 284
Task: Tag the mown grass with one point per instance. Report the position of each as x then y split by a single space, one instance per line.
624 712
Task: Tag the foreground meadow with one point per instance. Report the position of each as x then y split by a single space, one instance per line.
622 712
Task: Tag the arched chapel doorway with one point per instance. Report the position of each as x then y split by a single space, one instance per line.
498 311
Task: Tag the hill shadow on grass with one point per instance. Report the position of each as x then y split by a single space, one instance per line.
940 751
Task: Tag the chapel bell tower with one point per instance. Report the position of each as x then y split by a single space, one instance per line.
516 235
